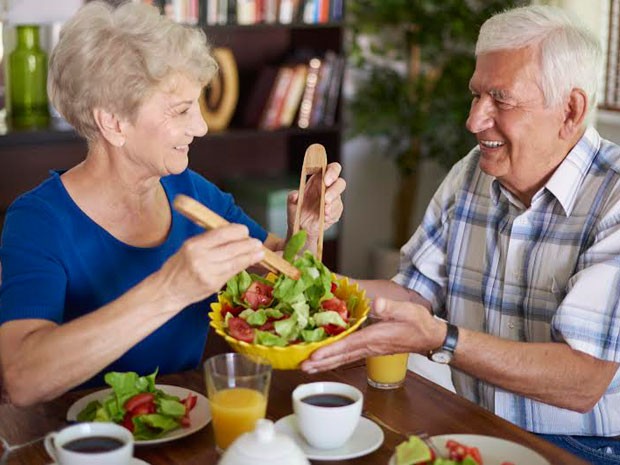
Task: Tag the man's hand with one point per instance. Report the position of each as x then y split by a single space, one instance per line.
402 327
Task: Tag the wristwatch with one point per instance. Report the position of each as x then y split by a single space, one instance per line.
445 353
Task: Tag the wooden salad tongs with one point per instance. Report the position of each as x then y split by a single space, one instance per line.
207 218
315 161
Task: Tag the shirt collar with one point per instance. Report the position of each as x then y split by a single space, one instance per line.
567 179
565 182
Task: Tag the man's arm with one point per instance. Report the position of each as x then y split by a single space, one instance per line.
549 372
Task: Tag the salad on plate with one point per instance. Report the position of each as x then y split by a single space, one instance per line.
136 403
415 451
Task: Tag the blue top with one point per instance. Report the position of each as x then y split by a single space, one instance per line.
58 265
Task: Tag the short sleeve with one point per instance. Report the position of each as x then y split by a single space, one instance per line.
423 258
33 278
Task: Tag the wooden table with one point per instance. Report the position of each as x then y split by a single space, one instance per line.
419 405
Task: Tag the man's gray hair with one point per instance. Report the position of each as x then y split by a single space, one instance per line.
570 54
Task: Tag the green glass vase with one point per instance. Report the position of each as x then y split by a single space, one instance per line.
27 80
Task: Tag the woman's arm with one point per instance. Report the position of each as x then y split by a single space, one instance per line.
41 360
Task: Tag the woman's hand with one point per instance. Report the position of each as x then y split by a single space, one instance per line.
309 219
205 262
403 327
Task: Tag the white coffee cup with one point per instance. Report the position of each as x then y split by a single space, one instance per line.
327 427
91 444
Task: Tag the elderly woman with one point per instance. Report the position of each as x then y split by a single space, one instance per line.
98 272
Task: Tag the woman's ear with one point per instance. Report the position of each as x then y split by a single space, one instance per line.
110 126
575 110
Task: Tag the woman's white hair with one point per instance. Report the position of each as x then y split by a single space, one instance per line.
570 54
113 57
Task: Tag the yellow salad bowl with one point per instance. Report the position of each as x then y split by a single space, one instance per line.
290 357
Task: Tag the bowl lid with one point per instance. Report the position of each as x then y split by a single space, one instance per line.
264 446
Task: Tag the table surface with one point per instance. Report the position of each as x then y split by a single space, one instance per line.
419 405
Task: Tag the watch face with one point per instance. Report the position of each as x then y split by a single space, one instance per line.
441 357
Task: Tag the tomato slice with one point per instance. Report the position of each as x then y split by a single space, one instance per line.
336 305
333 330
128 422
258 295
189 402
138 400
474 453
240 329
227 308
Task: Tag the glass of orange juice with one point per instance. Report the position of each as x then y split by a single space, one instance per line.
387 371
238 388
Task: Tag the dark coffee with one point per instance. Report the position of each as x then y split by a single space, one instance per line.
328 400
93 444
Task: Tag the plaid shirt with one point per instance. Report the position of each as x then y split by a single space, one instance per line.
546 273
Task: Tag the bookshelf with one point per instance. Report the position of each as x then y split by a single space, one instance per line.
238 151
243 151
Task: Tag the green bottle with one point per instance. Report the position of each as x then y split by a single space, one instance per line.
27 81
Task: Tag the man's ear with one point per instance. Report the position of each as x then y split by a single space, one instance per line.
110 125
575 109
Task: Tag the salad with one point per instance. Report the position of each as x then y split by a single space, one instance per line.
415 451
139 406
286 311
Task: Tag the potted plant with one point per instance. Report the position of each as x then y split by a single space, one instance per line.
414 59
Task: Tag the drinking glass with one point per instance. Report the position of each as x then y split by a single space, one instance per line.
387 371
238 388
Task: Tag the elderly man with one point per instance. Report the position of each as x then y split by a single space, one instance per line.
519 249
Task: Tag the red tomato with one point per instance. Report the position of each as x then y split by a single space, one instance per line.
334 286
227 308
332 330
143 409
189 402
240 329
268 326
474 453
185 421
128 422
258 295
138 400
336 305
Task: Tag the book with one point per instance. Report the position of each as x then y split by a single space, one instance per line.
333 93
321 91
305 108
271 114
258 97
293 95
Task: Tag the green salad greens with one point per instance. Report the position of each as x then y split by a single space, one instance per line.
139 406
286 311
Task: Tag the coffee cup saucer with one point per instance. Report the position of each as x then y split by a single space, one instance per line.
366 438
134 461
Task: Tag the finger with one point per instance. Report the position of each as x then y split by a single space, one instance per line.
334 361
333 211
332 173
335 190
223 235
292 197
392 310
232 250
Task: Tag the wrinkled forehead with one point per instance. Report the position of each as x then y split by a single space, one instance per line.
510 71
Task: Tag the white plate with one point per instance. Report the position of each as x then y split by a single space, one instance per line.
366 438
494 451
134 461
199 417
